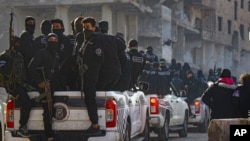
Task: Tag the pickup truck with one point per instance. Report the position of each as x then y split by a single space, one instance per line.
168 114
3 100
122 116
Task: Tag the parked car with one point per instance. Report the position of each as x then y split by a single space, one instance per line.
122 116
168 114
3 100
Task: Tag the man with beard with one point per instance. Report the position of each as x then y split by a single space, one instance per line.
47 61
101 70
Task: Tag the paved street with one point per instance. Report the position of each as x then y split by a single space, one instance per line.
193 135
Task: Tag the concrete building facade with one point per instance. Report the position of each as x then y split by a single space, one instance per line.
203 33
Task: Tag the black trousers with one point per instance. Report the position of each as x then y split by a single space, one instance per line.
55 85
47 119
25 104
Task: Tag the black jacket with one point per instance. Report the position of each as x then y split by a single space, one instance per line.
138 63
27 48
243 92
50 63
219 97
103 67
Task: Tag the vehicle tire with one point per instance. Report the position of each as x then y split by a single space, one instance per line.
204 125
1 132
163 132
128 132
183 131
145 132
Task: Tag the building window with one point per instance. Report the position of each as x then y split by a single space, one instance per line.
235 10
248 3
219 23
242 4
242 31
198 22
229 24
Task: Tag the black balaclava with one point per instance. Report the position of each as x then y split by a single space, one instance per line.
30 27
78 24
88 33
52 45
150 49
46 27
104 26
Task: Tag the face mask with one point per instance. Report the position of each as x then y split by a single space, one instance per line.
58 31
30 28
78 28
88 33
52 45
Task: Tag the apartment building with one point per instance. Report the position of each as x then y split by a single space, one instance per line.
203 33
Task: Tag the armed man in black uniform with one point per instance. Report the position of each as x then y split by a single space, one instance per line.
138 63
45 67
14 80
65 52
150 56
101 70
27 48
79 39
41 41
118 44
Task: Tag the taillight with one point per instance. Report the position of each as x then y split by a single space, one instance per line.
197 106
111 112
154 105
10 114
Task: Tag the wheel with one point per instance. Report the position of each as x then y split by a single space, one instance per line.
128 132
163 132
183 131
204 125
1 132
145 132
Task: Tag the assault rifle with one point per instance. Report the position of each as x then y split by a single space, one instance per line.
11 30
47 93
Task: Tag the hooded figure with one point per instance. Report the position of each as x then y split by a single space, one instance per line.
45 27
104 26
150 56
27 48
220 95
30 24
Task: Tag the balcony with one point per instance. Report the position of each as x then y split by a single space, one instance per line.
204 4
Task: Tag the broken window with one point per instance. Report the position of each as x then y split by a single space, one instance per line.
219 23
242 31
229 24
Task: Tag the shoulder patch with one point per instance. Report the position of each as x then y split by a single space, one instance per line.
98 52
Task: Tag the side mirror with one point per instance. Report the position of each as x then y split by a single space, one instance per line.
143 86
